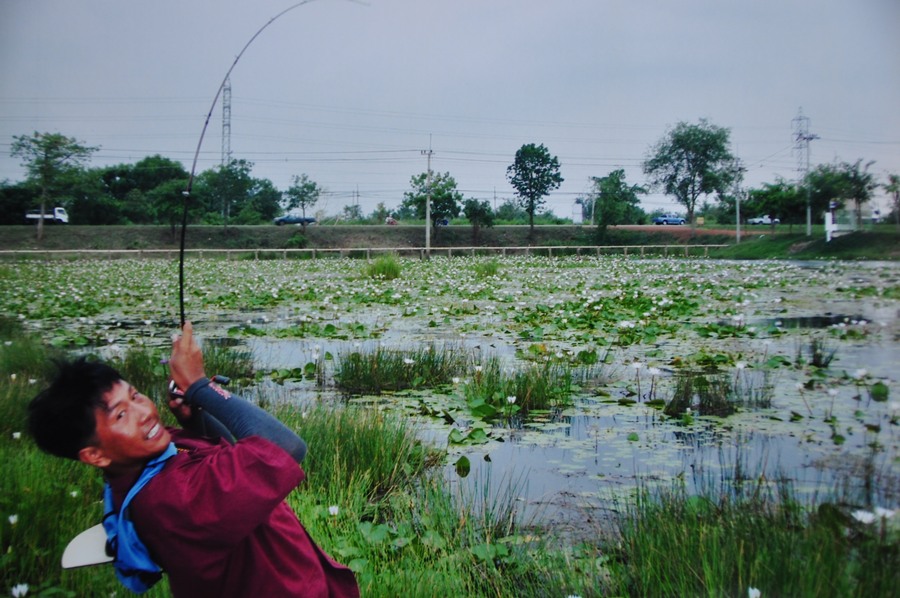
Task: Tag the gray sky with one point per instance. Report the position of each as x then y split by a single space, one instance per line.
351 94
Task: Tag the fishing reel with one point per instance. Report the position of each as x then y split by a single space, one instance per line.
175 392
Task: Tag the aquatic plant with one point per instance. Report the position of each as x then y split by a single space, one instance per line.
384 267
378 370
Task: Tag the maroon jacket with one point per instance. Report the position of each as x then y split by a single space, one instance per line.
215 520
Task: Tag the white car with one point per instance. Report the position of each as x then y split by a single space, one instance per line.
763 220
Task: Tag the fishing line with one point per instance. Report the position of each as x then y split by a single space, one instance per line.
190 184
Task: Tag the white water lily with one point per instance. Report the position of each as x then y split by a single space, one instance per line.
864 517
408 361
16 435
19 590
753 593
13 519
511 399
333 510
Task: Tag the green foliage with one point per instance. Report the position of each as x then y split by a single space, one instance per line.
441 187
486 269
494 392
303 193
383 370
479 214
533 174
384 267
614 202
717 544
690 161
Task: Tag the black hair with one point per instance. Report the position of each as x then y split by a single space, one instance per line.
61 418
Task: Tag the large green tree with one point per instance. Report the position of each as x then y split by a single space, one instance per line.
614 201
534 173
48 158
445 199
224 190
303 193
691 160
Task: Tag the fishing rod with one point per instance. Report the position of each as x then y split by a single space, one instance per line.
190 184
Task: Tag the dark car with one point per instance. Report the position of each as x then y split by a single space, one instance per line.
294 219
668 219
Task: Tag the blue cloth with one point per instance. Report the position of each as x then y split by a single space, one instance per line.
134 567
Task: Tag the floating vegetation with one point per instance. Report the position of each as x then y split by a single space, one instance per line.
494 392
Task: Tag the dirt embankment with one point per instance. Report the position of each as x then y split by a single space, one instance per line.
278 237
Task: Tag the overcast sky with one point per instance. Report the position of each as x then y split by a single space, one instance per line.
351 93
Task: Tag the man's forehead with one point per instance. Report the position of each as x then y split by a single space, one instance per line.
116 393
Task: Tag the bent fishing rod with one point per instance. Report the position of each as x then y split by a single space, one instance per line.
190 184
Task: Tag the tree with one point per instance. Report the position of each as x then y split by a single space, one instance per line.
479 213
303 193
224 189
510 212
861 185
47 158
533 174
352 213
690 161
840 183
780 199
893 187
445 199
380 214
614 201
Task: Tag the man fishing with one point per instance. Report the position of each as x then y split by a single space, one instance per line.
205 503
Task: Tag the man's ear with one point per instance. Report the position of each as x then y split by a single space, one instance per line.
94 455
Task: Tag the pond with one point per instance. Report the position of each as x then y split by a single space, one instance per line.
814 346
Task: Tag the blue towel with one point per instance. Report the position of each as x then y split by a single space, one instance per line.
134 567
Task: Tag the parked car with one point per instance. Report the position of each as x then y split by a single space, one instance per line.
294 219
54 216
763 220
668 219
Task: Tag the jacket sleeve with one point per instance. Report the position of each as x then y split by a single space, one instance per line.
242 418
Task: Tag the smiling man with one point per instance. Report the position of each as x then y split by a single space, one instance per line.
204 503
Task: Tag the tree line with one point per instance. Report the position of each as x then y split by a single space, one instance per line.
693 163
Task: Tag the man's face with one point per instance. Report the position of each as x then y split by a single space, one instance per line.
129 432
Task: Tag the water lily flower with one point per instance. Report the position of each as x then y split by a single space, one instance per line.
511 399
860 373
19 590
753 593
883 513
408 361
13 519
864 517
637 365
16 435
12 376
654 371
741 365
455 379
478 368
333 510
74 493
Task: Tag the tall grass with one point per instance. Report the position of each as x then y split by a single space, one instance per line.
373 371
719 394
384 267
493 391
673 544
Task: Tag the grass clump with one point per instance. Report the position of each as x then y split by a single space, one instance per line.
384 267
384 370
493 392
673 544
486 269
719 394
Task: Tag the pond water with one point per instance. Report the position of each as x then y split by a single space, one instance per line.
823 428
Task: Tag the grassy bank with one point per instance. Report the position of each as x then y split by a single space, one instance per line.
881 245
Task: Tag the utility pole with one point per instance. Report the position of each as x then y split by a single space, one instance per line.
226 122
739 171
428 153
802 137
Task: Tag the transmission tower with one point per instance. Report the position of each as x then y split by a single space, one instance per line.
226 122
802 137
